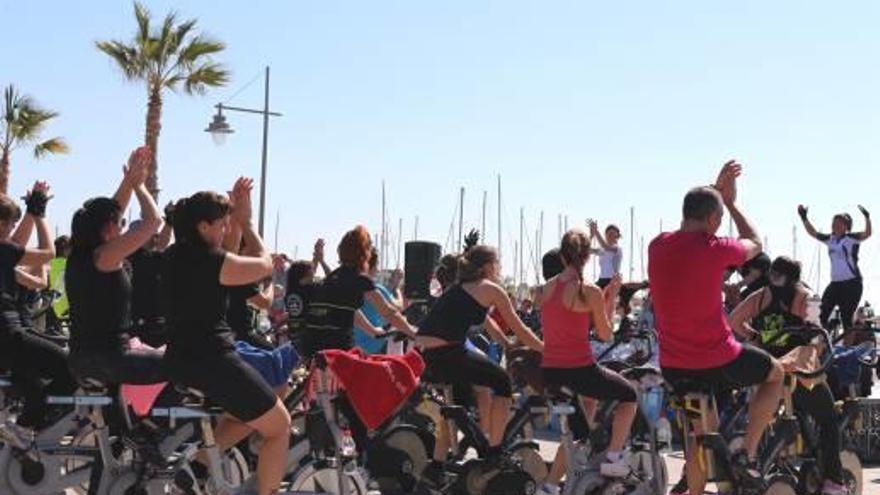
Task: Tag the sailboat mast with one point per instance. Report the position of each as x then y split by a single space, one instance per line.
382 238
499 217
522 246
461 218
632 233
483 218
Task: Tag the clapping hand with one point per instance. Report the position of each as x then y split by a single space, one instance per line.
318 254
726 181
242 211
864 211
138 166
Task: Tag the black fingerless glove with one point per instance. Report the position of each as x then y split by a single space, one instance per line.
36 203
169 214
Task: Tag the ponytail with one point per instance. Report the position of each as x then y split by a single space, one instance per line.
472 262
575 251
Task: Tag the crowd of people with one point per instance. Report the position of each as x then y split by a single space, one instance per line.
192 279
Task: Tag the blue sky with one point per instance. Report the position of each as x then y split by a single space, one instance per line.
584 108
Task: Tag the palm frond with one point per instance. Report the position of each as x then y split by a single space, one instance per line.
208 75
125 56
53 146
29 119
142 16
172 81
198 46
181 33
165 39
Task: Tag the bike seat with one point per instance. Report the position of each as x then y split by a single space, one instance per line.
93 386
691 386
640 372
559 393
190 396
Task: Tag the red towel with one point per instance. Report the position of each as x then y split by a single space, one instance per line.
376 385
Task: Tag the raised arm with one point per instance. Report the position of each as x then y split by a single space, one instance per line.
318 258
132 176
501 301
726 185
865 234
110 255
36 214
808 225
257 264
25 228
594 231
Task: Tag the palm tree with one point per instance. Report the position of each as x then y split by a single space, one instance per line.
22 123
170 57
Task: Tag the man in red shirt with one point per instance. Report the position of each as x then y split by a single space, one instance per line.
686 271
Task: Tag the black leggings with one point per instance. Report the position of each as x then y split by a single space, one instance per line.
39 369
118 366
844 295
819 403
455 365
226 379
593 381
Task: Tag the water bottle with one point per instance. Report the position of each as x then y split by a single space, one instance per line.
348 448
664 435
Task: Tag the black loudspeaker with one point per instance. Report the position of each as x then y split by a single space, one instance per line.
420 260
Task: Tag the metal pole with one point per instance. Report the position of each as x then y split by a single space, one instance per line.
277 221
399 240
522 246
382 235
794 242
461 219
559 228
632 230
499 217
416 229
483 222
265 152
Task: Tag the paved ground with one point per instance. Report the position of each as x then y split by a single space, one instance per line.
674 463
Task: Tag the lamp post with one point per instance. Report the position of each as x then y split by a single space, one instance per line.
219 129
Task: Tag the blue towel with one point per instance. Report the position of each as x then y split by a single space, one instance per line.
275 366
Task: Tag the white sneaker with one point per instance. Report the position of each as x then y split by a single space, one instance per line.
548 489
615 469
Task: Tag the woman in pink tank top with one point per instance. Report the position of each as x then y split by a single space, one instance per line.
569 307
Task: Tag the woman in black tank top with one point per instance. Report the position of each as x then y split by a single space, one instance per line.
99 287
760 317
442 337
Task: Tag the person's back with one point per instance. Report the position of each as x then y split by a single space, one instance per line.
686 270
566 331
99 304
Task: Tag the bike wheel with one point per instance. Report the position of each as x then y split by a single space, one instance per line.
318 477
531 461
651 467
852 472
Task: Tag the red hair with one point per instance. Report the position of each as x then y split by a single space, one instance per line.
354 248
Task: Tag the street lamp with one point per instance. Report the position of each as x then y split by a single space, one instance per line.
219 129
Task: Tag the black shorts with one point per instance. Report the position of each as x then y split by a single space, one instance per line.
226 380
455 365
751 367
593 381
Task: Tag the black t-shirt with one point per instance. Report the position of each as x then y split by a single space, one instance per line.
10 255
240 314
296 302
146 296
195 302
330 317
100 304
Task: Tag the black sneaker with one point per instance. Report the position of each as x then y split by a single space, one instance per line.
681 487
747 471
